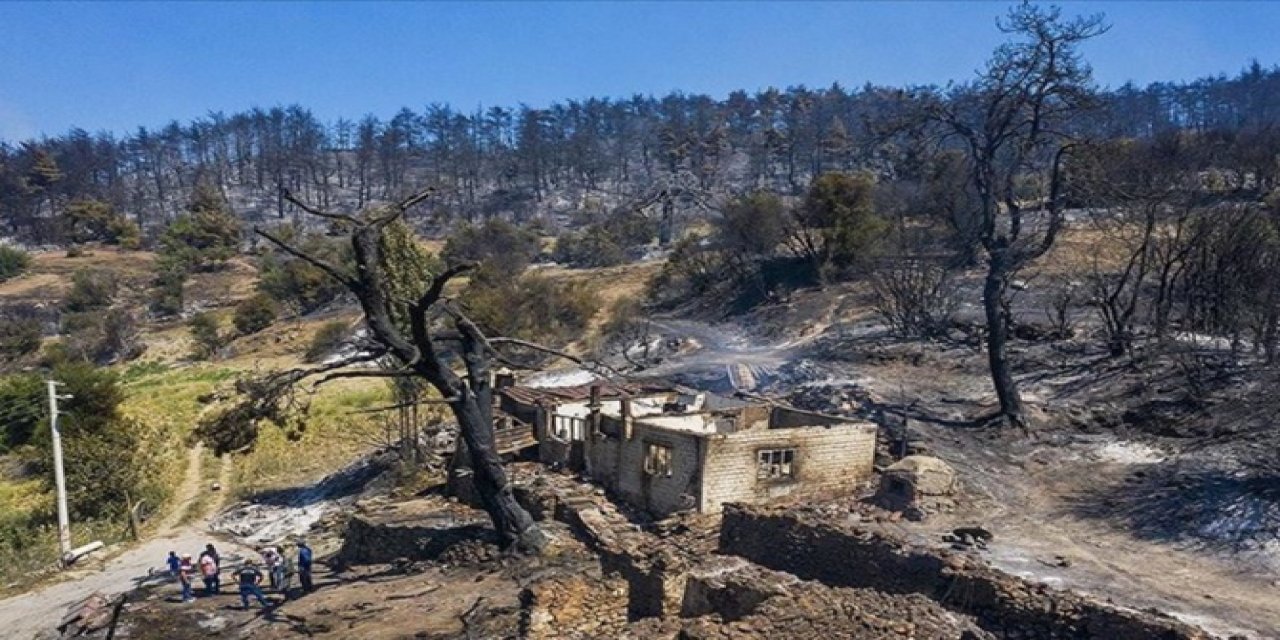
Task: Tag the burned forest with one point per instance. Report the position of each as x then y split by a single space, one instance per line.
990 358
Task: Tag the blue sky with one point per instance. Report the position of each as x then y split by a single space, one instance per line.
115 66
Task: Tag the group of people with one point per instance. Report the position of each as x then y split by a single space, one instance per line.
279 571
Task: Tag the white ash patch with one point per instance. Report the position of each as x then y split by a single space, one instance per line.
562 378
1125 452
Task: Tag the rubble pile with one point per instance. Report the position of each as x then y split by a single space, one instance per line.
813 610
574 606
917 486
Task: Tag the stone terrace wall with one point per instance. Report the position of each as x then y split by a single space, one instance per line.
847 556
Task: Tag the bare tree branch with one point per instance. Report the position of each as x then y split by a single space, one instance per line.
379 373
333 271
404 405
288 195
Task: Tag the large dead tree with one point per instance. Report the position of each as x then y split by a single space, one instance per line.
1012 125
438 337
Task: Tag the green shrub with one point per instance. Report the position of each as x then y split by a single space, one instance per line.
102 337
167 294
328 339
255 314
13 262
91 289
206 334
298 283
531 307
21 331
508 248
593 247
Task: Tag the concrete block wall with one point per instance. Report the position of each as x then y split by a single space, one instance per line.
826 458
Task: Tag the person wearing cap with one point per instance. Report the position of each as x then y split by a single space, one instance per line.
304 566
186 571
249 577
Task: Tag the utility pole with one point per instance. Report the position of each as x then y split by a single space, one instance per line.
64 524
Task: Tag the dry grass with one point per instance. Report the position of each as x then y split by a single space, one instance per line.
334 434
1080 248
49 277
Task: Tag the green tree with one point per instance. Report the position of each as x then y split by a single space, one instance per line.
529 307
205 237
90 220
103 451
405 267
753 224
22 401
167 292
836 226
592 247
101 336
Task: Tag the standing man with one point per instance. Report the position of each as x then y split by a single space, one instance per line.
250 577
304 566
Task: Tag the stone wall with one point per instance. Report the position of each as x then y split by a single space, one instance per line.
411 531
842 555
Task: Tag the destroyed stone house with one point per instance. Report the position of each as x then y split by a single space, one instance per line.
668 449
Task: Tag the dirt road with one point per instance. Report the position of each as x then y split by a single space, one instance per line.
24 616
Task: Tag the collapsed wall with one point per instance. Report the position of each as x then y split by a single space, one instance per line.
849 556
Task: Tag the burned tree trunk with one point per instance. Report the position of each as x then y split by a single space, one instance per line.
1010 121
415 343
993 298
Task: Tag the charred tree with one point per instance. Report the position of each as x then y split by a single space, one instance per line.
418 345
1013 124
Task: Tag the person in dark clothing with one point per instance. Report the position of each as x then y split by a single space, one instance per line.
304 566
249 577
174 563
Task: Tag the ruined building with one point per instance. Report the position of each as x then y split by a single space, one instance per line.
667 449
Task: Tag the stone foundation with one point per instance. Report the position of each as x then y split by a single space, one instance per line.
1002 604
409 531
